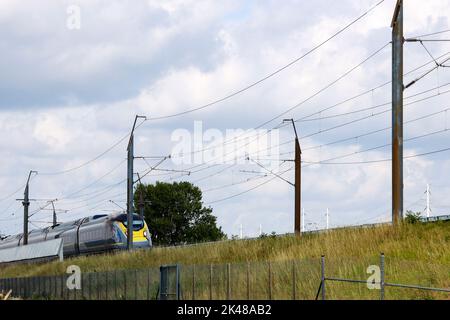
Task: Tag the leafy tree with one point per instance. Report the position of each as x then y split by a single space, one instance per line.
175 214
412 217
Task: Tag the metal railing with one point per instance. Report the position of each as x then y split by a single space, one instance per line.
113 285
382 283
276 280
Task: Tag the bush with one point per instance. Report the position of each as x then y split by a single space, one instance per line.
412 217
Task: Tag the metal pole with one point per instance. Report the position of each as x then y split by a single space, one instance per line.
54 213
26 205
298 186
428 201
382 277
323 277
298 180
397 113
130 193
328 219
130 185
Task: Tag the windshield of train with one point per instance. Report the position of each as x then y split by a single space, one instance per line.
138 224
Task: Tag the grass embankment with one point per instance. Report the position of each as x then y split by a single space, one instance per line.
415 254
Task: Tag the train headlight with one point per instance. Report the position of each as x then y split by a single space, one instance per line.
145 234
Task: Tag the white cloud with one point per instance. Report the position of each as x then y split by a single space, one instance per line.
68 96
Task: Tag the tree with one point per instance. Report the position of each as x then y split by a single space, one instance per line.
175 214
412 217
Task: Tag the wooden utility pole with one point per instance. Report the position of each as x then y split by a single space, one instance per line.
397 113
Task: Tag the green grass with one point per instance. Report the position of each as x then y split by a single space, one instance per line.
415 254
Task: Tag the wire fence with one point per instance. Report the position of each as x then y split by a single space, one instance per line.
308 279
379 285
115 285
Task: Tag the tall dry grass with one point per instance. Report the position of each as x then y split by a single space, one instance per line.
415 254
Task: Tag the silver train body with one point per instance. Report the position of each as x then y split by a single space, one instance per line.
88 235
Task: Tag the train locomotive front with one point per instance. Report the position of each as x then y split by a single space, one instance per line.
95 234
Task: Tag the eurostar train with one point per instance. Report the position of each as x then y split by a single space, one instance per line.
88 235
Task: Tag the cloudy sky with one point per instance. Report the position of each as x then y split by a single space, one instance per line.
69 94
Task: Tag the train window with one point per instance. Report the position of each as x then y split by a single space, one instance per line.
99 216
138 224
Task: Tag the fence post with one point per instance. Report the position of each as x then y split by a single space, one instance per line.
382 276
82 287
193 282
248 281
125 284
62 287
294 282
148 284
323 277
56 287
270 281
90 286
75 292
106 285
135 284
97 284
210 281
228 281
115 285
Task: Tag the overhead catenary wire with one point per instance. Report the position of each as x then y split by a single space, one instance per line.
254 84
71 195
235 139
431 34
348 123
234 184
378 161
383 146
359 95
366 117
109 149
248 190
375 106
329 85
368 133
360 162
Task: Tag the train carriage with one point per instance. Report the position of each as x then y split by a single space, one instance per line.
95 234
